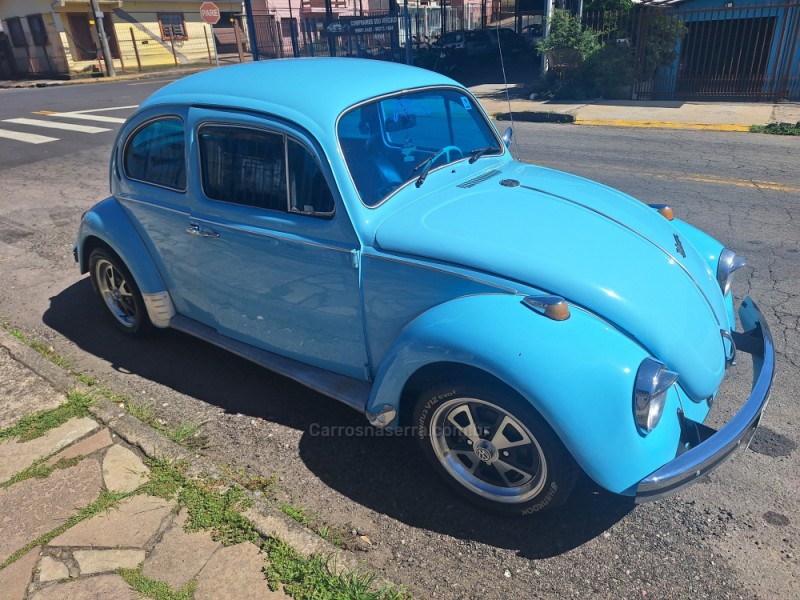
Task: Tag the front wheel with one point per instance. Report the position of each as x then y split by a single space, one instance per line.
117 291
494 449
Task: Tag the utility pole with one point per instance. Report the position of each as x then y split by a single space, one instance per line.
101 34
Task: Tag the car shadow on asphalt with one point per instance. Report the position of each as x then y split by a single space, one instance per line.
381 472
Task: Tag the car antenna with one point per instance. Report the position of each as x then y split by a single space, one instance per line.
505 82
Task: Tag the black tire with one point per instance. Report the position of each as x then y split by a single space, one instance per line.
118 293
521 468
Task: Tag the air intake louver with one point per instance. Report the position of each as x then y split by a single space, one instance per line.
479 179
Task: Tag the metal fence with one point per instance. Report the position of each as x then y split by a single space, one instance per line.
735 53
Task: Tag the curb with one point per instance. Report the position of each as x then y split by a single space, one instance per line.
269 522
535 117
26 84
662 125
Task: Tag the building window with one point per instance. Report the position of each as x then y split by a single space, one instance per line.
16 33
172 26
286 27
38 32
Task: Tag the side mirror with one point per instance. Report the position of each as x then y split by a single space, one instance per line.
507 137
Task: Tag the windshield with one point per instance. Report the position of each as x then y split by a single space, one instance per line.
386 142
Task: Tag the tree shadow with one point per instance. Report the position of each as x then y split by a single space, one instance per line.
380 471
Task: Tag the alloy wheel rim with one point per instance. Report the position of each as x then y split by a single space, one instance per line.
488 450
116 293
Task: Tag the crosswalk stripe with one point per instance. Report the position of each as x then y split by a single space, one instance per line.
82 116
30 138
94 110
56 125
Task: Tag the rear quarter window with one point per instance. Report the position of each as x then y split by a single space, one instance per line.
156 154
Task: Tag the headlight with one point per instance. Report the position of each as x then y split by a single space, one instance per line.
653 379
728 264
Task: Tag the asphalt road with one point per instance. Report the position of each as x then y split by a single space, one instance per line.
48 123
733 535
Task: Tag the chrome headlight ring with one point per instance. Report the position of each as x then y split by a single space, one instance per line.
728 264
653 381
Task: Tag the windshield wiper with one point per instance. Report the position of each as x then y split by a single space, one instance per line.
426 164
476 154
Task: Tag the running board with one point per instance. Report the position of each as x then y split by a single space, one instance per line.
352 392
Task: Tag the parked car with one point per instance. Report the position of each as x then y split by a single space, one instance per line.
384 248
511 43
473 43
533 33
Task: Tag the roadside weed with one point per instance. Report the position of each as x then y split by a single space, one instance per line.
157 590
38 423
41 470
42 348
106 501
314 579
298 513
340 536
777 128
210 505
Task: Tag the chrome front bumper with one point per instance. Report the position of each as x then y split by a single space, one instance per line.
715 447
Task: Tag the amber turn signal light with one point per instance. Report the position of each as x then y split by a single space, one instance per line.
553 307
664 210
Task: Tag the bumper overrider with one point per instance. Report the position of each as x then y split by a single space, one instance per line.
709 448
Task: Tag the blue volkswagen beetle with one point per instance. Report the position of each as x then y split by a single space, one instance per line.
362 228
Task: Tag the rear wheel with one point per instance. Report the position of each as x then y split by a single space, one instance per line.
493 448
117 291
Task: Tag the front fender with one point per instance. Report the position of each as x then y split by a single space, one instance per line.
578 374
109 223
710 249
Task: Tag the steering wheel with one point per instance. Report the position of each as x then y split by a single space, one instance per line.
450 151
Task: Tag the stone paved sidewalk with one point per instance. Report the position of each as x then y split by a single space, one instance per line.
141 532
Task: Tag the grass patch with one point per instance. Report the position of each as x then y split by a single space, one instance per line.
106 501
150 588
41 470
252 483
777 128
210 505
186 434
37 424
299 514
340 536
86 380
314 579
45 350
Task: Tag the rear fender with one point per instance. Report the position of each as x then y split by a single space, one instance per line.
108 223
578 374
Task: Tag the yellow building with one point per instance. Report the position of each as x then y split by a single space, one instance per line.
59 37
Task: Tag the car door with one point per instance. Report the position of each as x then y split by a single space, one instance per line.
149 176
276 257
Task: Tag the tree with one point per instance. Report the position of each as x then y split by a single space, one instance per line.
566 32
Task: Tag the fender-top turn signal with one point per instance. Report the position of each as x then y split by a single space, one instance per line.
664 210
553 307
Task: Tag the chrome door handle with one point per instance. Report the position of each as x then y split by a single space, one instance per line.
195 229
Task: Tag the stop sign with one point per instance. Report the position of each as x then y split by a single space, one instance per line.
209 12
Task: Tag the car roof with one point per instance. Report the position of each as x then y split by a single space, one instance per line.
313 92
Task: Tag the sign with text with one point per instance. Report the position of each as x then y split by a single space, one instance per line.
209 12
363 25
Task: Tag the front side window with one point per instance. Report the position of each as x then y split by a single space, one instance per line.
172 26
244 166
262 169
308 191
155 154
385 141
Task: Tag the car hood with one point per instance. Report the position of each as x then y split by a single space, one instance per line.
593 245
